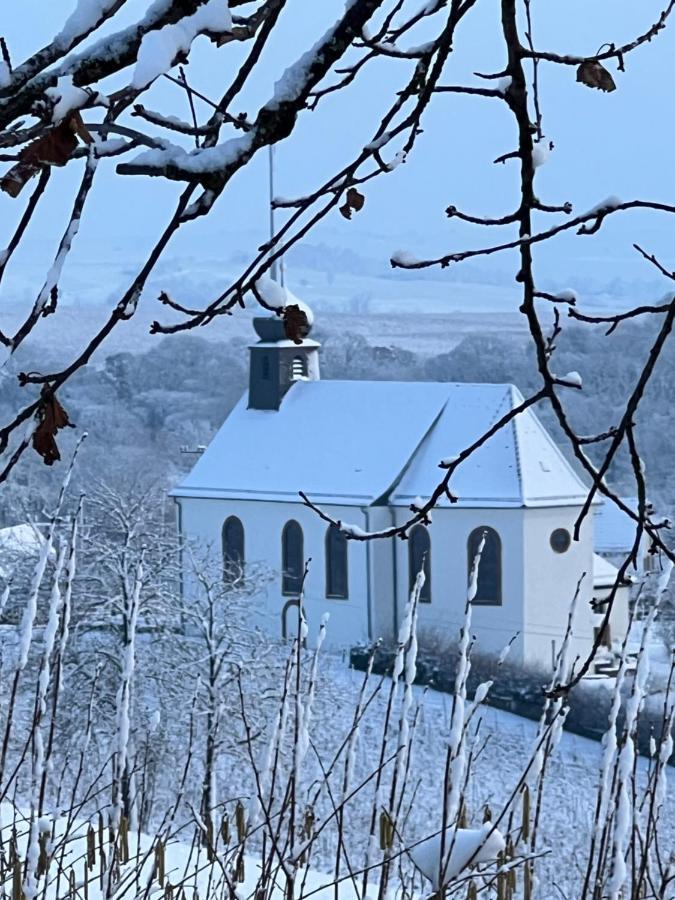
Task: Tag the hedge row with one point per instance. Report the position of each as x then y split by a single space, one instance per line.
516 689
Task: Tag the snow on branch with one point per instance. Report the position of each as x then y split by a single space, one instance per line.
87 16
105 56
160 49
67 98
274 121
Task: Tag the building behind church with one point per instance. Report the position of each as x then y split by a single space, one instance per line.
364 451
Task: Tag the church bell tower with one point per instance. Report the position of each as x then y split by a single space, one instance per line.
277 362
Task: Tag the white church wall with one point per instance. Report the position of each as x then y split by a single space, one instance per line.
202 521
537 582
620 614
441 619
383 578
550 582
619 618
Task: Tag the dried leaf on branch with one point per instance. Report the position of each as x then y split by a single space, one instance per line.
296 323
594 75
54 148
353 203
51 418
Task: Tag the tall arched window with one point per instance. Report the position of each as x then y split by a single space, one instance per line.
292 559
233 548
419 554
337 584
489 591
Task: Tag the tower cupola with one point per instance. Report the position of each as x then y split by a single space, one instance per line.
277 362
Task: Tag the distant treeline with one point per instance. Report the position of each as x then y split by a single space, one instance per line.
140 409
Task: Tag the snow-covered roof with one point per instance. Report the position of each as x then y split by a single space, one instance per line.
604 573
614 531
519 466
288 344
279 296
364 442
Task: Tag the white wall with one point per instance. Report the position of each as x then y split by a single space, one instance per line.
382 574
263 521
537 583
550 582
493 626
620 615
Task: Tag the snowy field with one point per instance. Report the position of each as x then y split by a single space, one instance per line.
504 747
506 744
430 312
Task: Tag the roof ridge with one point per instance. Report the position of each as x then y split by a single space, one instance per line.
516 444
444 384
397 480
520 421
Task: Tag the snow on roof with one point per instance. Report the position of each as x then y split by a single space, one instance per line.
614 531
279 296
604 573
519 466
306 342
360 442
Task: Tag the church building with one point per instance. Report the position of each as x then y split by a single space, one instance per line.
364 451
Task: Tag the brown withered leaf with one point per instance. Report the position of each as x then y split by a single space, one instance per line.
296 323
14 181
54 148
51 417
80 129
354 201
594 75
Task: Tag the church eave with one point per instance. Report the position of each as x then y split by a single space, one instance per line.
205 493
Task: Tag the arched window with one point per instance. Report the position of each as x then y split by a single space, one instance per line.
419 554
489 591
292 559
337 584
233 548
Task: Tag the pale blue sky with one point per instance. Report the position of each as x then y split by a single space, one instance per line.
619 143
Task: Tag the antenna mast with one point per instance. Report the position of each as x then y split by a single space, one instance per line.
277 268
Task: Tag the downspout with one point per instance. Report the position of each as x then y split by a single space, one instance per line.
394 571
179 526
385 499
369 599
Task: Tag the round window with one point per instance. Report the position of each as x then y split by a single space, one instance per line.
560 540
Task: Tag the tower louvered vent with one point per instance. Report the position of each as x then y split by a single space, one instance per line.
298 368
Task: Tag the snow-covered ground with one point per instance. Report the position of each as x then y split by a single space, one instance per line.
502 750
184 864
505 744
291 726
192 868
